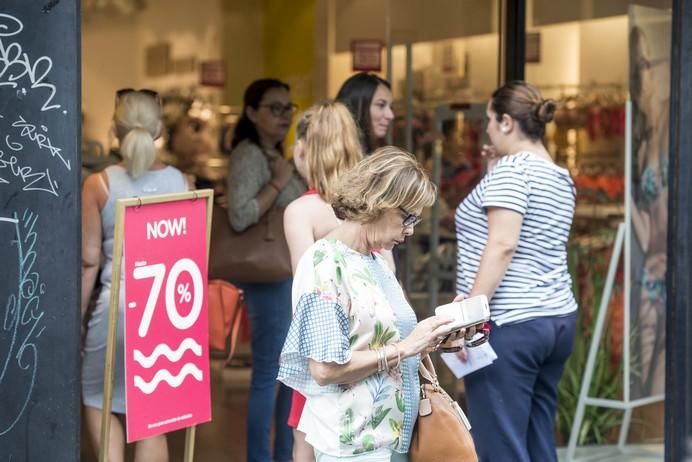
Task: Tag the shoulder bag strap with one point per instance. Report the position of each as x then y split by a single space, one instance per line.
427 370
235 329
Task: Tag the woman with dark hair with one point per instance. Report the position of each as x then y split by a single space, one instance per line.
260 178
369 98
512 233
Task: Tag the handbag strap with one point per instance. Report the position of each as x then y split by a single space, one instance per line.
269 233
235 330
427 370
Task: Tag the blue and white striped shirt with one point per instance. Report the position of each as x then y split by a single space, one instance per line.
536 282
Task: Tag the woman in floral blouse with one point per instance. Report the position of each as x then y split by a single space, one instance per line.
354 345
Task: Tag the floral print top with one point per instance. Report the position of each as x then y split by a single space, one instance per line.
343 302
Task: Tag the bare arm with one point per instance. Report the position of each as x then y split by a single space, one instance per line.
266 197
364 363
504 228
92 192
251 192
298 230
641 222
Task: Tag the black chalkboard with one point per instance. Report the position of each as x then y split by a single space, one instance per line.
39 230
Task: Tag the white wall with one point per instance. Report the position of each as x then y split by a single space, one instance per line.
581 53
108 63
559 56
483 52
191 28
114 51
415 20
243 44
604 54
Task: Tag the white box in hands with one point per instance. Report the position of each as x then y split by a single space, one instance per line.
466 313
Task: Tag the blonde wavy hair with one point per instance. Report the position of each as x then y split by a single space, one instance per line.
390 178
137 122
332 145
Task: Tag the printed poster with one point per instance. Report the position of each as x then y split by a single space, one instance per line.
166 322
649 48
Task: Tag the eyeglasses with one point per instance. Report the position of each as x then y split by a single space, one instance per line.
279 110
124 91
410 219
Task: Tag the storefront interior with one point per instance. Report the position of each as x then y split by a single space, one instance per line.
445 62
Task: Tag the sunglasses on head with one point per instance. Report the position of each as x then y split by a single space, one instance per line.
409 219
124 91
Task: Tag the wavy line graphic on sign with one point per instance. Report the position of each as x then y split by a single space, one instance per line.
163 375
164 350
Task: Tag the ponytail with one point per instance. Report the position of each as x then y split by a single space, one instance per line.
138 151
137 120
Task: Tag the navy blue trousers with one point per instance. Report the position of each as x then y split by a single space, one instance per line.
269 310
512 403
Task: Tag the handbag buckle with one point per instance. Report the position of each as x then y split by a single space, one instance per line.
424 407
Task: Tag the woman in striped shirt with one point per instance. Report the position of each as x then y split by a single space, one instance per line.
512 232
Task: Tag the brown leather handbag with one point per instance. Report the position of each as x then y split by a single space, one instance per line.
442 431
257 254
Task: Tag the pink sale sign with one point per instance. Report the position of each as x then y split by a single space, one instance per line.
166 323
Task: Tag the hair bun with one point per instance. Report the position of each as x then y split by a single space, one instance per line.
545 110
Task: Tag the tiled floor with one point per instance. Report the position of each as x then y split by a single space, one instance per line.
223 439
643 453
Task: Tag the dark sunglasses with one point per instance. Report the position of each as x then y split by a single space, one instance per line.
410 219
278 109
124 91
